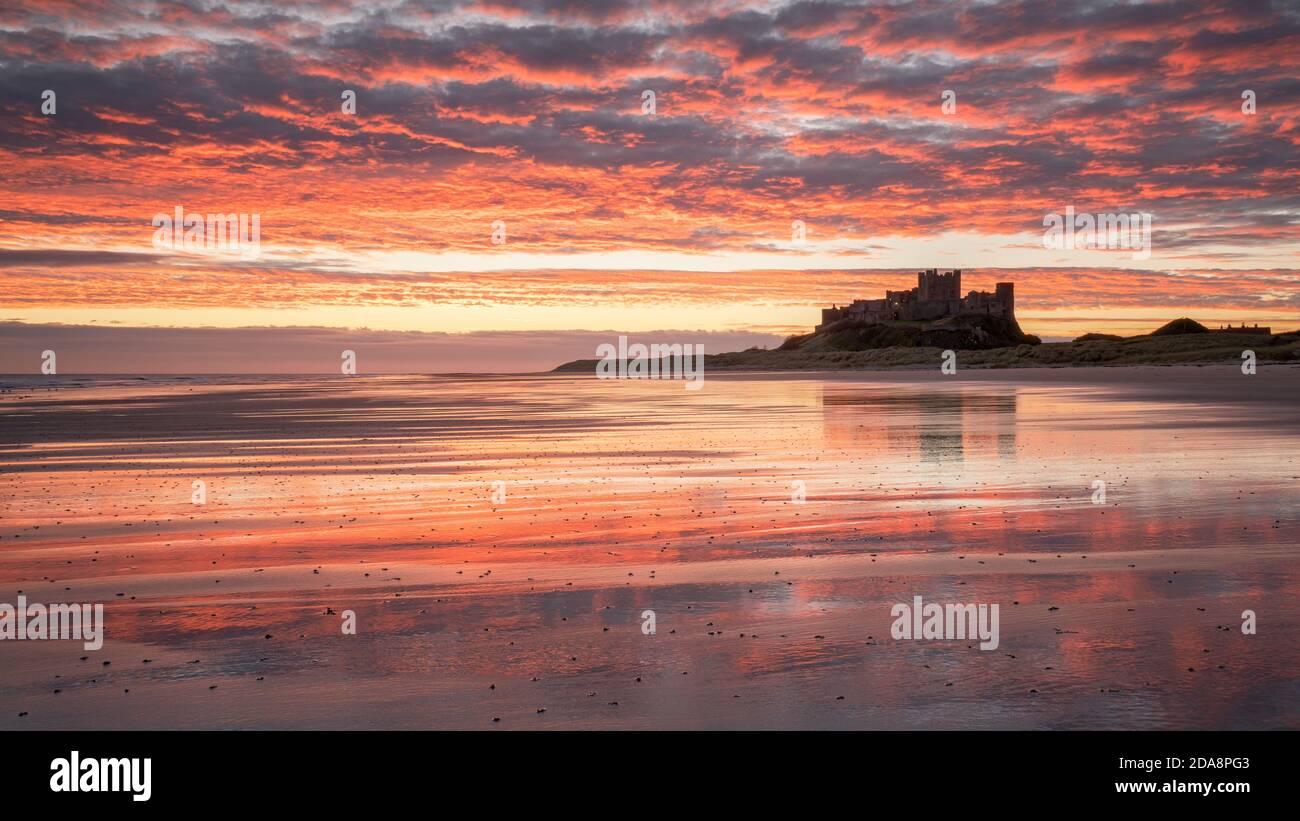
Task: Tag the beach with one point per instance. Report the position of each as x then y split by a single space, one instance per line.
500 539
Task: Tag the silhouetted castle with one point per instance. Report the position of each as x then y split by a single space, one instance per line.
935 296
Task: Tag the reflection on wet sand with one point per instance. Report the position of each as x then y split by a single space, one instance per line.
936 426
376 495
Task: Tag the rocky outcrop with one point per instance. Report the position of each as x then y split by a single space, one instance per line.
964 332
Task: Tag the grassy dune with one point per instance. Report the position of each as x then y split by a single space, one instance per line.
1144 350
1138 350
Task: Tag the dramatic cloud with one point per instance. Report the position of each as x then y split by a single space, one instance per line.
535 114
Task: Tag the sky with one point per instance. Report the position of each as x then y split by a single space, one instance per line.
502 186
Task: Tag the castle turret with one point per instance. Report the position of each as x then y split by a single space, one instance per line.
1006 294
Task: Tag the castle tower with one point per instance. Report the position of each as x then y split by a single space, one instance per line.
1006 294
932 285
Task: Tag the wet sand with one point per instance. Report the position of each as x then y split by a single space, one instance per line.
375 494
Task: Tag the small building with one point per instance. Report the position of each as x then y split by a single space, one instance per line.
1254 330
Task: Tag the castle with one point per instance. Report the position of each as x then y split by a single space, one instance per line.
935 296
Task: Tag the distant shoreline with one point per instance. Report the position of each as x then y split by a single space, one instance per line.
570 369
1151 349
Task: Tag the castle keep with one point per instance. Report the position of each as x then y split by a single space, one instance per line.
935 296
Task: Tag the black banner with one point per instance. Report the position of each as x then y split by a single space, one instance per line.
148 771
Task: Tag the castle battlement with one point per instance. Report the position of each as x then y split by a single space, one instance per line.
936 296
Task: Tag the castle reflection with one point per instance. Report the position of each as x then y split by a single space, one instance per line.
934 424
